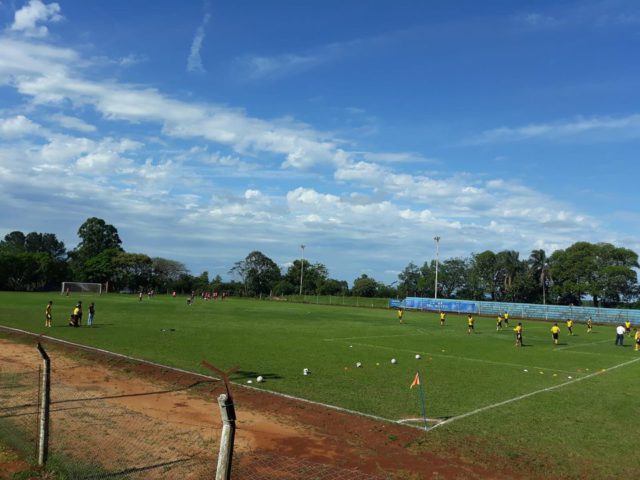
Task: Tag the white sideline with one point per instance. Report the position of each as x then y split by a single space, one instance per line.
566 347
526 395
208 377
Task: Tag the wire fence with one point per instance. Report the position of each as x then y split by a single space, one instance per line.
19 409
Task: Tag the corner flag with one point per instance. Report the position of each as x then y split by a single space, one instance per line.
416 380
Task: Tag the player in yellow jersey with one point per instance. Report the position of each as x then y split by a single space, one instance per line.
48 314
499 322
555 333
518 331
589 325
505 315
443 316
400 315
627 327
637 337
570 326
470 322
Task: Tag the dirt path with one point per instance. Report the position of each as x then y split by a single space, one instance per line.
148 422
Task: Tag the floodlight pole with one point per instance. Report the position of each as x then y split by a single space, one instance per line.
435 289
301 268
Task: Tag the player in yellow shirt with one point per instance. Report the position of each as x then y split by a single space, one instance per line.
443 316
570 326
518 331
505 315
637 337
589 325
555 333
499 322
470 322
627 327
47 314
400 315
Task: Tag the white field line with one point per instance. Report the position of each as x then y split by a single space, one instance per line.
566 347
373 336
208 377
468 359
527 395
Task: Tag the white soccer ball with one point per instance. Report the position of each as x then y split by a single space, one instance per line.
358 364
260 379
418 357
393 360
305 371
249 381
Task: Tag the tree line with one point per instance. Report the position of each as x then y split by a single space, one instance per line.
600 273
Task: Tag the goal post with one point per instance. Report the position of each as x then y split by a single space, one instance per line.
81 287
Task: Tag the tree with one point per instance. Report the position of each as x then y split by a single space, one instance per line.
14 240
409 279
131 270
452 277
483 275
312 279
96 236
258 272
364 287
44 243
539 268
166 273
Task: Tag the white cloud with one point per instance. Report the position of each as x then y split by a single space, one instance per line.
194 62
18 126
72 123
603 127
28 17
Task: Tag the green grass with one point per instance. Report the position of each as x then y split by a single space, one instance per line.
583 428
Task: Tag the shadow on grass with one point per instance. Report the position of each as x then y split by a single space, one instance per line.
250 374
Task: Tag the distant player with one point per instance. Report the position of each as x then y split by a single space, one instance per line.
570 326
400 315
140 296
637 337
518 331
92 314
443 317
505 315
589 325
627 327
499 322
555 333
470 324
47 314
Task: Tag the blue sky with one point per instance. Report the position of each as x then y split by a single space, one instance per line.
204 131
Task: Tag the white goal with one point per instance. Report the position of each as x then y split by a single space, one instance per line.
81 287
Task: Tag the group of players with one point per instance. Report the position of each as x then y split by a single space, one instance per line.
503 318
75 319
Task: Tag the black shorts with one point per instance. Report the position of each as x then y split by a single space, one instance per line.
555 336
519 336
471 327
48 316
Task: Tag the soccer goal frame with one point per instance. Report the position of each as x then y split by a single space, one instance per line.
82 288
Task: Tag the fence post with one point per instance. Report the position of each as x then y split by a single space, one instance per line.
228 414
45 395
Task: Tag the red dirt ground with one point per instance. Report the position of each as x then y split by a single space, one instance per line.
136 414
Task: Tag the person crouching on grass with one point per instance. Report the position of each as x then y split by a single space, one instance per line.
518 331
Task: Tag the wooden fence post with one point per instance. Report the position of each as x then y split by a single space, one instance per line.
228 414
45 395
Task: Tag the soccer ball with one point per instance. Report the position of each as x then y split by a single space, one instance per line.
305 371
249 381
358 364
418 357
260 379
393 360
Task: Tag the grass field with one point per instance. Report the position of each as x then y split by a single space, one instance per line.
573 407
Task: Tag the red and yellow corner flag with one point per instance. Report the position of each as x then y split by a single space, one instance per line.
416 380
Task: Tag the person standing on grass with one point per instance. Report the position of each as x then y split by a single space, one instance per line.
637 338
555 333
470 324
589 325
400 314
79 306
627 327
47 314
443 316
620 335
518 331
505 315
499 322
570 326
92 313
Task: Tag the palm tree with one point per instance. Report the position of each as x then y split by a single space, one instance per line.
539 265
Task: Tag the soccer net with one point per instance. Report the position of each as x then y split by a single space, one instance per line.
81 287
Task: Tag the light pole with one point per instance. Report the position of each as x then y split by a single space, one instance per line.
301 268
435 289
